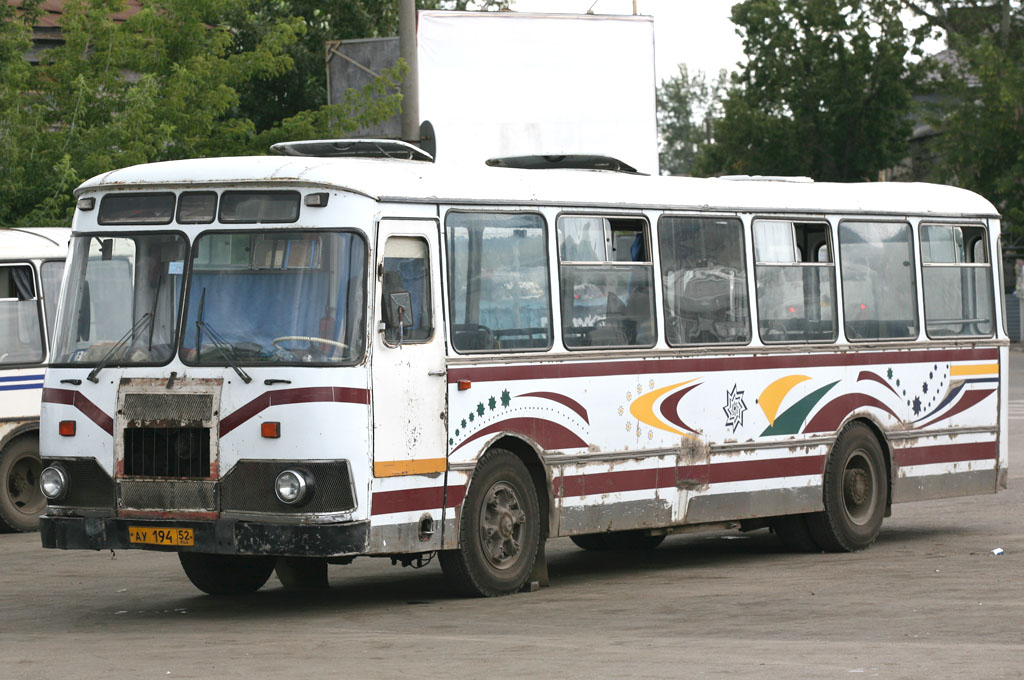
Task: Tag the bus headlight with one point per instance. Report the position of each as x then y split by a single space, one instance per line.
53 482
294 486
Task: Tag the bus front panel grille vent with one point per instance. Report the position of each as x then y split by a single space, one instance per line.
249 487
89 484
166 494
178 408
180 452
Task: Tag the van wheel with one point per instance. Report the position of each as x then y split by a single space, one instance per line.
856 490
499 529
226 574
21 501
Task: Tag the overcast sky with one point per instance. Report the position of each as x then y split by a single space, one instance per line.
698 33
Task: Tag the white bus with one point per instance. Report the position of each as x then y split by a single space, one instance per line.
295 360
31 266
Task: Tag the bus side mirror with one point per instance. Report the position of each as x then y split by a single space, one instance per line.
398 313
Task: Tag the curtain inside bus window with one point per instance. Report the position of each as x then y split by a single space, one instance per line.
500 298
21 339
879 282
796 282
704 280
958 298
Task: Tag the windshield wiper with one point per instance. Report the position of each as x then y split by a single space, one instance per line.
222 346
143 320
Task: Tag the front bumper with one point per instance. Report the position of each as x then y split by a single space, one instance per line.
223 536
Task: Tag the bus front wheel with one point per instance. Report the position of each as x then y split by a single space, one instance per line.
499 529
21 501
856 491
226 574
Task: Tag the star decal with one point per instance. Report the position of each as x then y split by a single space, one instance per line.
734 408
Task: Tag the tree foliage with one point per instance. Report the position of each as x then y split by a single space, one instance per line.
687 105
980 115
167 83
825 91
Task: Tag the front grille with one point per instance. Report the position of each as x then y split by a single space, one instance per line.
167 494
249 487
89 486
191 409
181 452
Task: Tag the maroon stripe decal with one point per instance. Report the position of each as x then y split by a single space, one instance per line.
412 500
832 414
571 404
549 435
868 375
745 471
946 453
81 402
969 399
660 478
670 408
590 369
299 395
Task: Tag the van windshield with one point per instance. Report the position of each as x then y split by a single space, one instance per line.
276 297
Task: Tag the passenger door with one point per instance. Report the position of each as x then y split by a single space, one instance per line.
408 368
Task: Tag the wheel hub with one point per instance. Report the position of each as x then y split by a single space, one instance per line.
501 525
857 487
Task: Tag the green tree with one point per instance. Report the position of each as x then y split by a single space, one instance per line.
980 113
825 91
687 107
163 85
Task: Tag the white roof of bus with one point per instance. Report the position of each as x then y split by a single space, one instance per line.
402 180
24 244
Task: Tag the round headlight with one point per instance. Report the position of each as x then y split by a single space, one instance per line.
293 487
53 482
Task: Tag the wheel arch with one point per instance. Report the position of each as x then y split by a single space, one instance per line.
530 455
20 430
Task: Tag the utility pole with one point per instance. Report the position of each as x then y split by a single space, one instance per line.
410 83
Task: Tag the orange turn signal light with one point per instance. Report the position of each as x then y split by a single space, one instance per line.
271 430
465 384
66 428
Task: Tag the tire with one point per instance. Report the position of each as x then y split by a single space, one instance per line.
618 540
226 574
856 492
21 501
499 529
794 533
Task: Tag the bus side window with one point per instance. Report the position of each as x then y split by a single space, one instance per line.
879 282
21 339
607 286
407 270
704 280
957 281
796 281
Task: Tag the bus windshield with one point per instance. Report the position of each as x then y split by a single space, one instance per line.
123 299
276 297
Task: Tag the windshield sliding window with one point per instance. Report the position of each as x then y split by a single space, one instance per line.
123 297
277 297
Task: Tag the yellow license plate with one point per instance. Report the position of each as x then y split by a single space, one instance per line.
161 536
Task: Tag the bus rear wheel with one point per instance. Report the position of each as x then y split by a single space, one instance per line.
21 501
856 491
499 529
226 574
